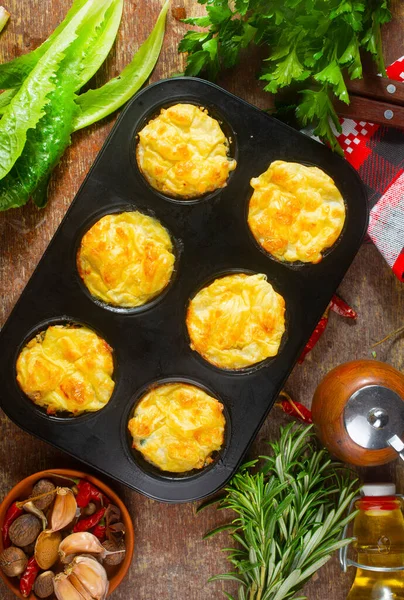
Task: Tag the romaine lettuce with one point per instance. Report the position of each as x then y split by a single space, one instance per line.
99 103
27 106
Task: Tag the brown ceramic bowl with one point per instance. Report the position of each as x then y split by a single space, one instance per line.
23 489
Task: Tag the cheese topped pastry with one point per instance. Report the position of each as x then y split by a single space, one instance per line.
177 426
67 368
295 212
126 259
236 321
184 153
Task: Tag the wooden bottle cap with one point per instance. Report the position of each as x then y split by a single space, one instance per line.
356 408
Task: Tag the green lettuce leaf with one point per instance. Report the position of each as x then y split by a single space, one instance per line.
100 50
48 140
43 150
27 106
13 73
5 99
95 58
99 103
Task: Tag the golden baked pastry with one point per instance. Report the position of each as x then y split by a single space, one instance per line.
295 212
183 152
67 368
177 426
126 259
236 321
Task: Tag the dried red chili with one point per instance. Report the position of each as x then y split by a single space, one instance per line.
28 577
11 515
339 306
315 336
293 408
88 492
89 522
100 531
83 495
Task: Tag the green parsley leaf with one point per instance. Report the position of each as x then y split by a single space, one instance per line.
305 39
191 41
316 108
196 62
332 74
286 71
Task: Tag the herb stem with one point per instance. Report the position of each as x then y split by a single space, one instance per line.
388 336
261 588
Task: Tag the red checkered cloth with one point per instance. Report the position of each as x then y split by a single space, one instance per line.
377 153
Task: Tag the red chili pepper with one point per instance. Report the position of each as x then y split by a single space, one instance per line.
88 493
89 522
28 578
315 336
339 306
11 515
293 408
100 532
83 496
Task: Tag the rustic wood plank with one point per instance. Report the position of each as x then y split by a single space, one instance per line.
171 560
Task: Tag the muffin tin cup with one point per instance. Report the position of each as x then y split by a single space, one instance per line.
114 209
215 114
241 370
151 345
148 467
39 329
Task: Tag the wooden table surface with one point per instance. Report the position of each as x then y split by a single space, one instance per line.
171 559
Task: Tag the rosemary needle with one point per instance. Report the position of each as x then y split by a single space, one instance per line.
290 514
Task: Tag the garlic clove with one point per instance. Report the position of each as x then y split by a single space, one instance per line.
46 548
64 590
91 575
75 581
79 543
64 509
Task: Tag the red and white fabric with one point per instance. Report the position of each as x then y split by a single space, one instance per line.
377 152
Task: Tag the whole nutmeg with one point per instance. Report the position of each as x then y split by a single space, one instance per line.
42 487
118 553
25 530
13 561
43 587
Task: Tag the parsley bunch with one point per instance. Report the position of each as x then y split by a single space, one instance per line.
307 40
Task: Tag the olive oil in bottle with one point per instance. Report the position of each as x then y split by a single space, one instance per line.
379 532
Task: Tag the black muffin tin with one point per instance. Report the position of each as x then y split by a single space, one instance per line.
150 343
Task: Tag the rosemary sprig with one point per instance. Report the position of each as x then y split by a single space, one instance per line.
290 516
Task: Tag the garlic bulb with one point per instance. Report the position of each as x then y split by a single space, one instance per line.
91 575
84 579
82 542
64 509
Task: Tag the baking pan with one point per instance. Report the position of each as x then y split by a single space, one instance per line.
150 343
